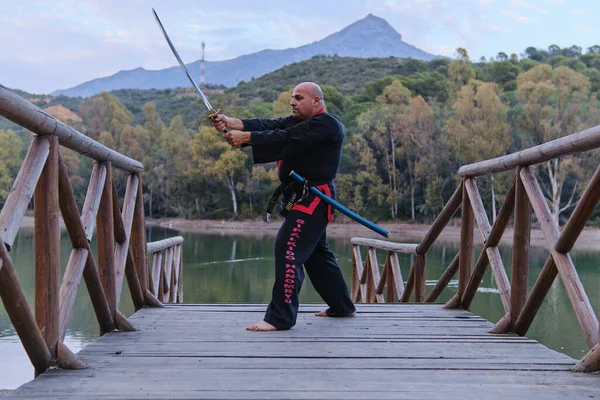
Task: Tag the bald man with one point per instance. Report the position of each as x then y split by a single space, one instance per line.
308 142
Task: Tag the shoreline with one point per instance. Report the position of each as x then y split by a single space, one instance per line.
400 231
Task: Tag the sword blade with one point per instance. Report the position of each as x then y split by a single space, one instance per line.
182 65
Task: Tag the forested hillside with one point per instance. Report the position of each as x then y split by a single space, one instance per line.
410 126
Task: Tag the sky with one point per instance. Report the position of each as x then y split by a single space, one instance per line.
57 44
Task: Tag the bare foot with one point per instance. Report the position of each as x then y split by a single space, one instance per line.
324 314
261 326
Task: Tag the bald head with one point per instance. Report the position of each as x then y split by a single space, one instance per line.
313 89
307 100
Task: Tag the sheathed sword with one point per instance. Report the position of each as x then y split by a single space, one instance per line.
344 210
212 112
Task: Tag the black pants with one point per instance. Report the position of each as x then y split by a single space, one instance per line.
302 240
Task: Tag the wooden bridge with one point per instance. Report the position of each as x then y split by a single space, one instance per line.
389 351
395 350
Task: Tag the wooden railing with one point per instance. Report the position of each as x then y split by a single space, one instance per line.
120 237
524 195
367 283
166 276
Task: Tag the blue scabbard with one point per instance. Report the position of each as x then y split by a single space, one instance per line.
343 209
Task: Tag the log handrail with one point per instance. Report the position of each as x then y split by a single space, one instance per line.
30 116
403 248
120 234
161 245
585 140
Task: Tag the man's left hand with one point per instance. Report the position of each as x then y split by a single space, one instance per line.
237 138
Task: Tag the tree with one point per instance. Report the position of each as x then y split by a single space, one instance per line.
478 129
11 147
382 124
104 113
416 137
213 158
259 181
504 73
573 51
595 49
230 167
432 86
281 106
502 56
460 70
336 102
534 54
363 190
153 124
553 100
554 50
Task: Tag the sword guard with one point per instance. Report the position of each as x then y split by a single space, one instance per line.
213 114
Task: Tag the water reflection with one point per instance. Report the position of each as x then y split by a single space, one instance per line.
239 269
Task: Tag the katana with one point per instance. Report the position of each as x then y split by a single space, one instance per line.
344 210
212 112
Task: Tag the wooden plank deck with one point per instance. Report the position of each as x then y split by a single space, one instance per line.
389 351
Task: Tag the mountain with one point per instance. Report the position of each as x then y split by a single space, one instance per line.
369 37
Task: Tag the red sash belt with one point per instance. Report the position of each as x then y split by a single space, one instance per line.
311 207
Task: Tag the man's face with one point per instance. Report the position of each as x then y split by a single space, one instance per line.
303 104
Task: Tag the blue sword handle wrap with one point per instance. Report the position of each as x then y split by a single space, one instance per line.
344 210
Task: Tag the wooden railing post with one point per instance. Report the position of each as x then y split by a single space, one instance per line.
357 272
133 282
179 298
124 220
106 242
466 247
520 251
138 238
47 250
490 254
175 274
564 264
156 273
20 314
23 189
395 278
372 277
419 278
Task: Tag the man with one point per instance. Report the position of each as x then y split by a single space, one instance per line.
308 142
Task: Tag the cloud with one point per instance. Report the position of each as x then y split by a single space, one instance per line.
529 6
584 29
516 17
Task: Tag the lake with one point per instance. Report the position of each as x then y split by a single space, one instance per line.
224 268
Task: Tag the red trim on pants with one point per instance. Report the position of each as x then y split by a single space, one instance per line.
311 207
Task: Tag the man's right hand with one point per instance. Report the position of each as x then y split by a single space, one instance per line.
220 122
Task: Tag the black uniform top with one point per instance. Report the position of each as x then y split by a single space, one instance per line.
312 148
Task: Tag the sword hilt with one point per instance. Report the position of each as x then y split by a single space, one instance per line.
213 114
